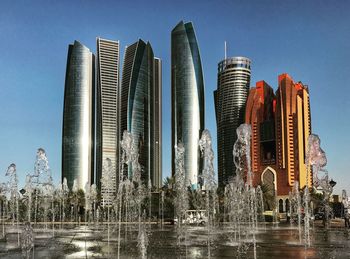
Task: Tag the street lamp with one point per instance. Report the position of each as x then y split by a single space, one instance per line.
332 183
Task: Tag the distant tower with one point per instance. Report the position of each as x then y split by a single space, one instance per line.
78 116
107 109
230 100
187 98
141 107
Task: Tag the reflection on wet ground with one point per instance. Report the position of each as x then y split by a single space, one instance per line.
273 241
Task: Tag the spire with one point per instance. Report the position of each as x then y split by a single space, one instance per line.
225 50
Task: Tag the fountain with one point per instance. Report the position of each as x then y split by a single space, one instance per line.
242 200
316 160
87 202
60 194
3 190
295 207
131 188
75 201
44 187
28 192
27 240
123 215
307 216
12 186
107 184
93 200
181 198
143 240
208 180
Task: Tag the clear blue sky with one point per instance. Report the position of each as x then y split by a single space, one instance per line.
308 39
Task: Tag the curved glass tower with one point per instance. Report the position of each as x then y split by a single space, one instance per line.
140 106
187 98
230 100
78 116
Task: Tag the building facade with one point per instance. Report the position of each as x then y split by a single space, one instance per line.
157 175
187 98
140 107
107 69
260 114
78 117
281 125
230 102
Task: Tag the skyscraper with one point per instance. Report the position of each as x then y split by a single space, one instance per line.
281 125
293 127
78 116
141 106
260 114
187 98
230 100
107 109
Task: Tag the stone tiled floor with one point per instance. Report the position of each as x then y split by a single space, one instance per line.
273 241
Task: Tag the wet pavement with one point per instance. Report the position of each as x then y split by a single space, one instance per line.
272 241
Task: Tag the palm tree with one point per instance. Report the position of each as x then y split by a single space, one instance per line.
195 197
168 183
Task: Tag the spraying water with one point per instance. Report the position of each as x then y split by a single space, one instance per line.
181 198
243 202
12 187
295 207
65 192
29 191
87 202
27 240
107 184
208 179
75 200
130 189
143 240
315 159
3 190
344 199
93 197
43 184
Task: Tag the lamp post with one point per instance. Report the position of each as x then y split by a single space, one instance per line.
332 183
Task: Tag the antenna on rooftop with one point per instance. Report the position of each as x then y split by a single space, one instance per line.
225 50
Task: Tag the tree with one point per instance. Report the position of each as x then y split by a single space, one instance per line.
196 200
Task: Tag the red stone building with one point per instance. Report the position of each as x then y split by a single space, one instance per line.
281 125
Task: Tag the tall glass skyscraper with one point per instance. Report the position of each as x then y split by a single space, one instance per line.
230 100
187 98
141 106
78 117
107 109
